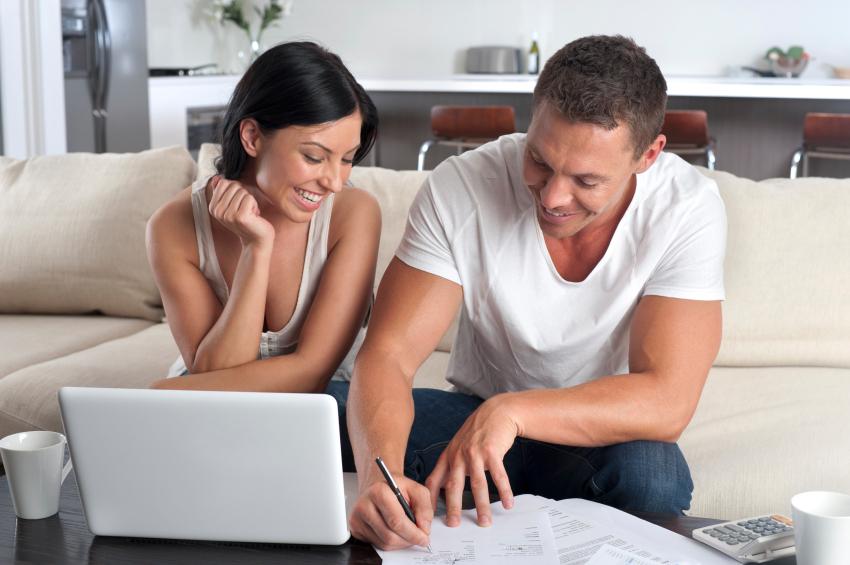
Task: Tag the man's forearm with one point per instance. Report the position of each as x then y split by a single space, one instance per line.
609 410
672 345
380 413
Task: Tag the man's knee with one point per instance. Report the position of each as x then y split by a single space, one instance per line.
644 475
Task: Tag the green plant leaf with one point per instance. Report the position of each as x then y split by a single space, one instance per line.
795 52
233 13
270 15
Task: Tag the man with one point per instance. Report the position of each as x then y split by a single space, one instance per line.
589 269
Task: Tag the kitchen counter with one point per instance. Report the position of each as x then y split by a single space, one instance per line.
170 97
824 89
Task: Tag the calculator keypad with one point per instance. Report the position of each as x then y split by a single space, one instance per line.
746 531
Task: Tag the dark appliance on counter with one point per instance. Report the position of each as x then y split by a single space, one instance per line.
208 69
203 127
104 45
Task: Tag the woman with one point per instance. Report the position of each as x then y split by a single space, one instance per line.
273 254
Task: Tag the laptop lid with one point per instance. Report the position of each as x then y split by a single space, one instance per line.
217 466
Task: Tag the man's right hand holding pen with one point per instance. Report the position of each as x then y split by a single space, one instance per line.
379 518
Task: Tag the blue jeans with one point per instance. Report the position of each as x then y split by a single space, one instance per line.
638 475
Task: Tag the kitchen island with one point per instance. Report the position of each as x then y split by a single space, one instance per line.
758 122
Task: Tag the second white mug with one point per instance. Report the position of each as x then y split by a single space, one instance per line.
822 528
33 462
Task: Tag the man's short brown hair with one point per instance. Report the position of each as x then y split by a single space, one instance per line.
606 80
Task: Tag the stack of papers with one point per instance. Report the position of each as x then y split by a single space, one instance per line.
540 531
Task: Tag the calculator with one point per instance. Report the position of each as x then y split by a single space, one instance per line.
751 540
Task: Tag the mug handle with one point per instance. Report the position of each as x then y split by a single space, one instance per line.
67 468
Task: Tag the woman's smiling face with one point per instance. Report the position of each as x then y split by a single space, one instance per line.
297 167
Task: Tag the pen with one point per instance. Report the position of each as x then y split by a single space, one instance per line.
397 492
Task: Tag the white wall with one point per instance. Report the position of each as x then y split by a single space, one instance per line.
380 38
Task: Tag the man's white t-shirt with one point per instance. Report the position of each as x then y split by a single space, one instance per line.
524 327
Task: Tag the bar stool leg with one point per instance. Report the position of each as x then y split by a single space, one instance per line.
795 162
373 154
805 164
422 151
710 154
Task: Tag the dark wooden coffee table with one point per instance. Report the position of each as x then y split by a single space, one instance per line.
63 538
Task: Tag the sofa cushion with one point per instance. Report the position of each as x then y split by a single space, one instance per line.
207 155
72 230
761 435
28 396
787 273
395 191
27 339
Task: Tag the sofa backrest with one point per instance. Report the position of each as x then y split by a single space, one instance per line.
787 272
72 230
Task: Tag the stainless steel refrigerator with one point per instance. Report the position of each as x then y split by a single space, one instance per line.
104 45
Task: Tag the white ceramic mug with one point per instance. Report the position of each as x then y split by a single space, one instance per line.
33 462
822 528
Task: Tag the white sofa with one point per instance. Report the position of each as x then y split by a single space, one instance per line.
78 307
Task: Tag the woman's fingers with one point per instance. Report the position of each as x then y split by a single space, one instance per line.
219 187
232 213
237 209
247 208
222 197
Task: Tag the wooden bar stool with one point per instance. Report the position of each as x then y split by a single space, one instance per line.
467 127
687 134
826 136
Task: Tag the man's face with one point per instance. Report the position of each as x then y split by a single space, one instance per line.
576 172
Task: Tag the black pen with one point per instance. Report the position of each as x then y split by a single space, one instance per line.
397 492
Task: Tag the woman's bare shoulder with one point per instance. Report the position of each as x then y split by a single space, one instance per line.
171 229
357 212
351 200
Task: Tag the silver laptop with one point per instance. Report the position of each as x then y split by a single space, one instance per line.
216 466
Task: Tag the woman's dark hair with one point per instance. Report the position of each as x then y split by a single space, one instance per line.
293 84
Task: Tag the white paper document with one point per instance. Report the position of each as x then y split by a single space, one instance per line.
565 532
660 537
608 555
518 538
579 538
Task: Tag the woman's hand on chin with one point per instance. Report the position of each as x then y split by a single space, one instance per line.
234 207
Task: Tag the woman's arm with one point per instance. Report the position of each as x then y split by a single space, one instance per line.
208 336
335 316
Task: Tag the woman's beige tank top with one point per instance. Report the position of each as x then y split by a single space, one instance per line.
285 341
